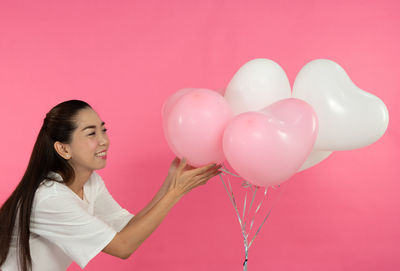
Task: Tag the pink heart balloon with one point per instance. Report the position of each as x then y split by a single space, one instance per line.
268 147
195 124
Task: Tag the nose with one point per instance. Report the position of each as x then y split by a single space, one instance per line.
103 140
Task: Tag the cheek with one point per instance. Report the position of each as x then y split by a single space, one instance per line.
92 145
86 147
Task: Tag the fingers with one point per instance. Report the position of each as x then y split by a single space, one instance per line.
203 178
189 167
212 174
201 170
189 180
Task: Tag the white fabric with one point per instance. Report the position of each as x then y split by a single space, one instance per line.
65 228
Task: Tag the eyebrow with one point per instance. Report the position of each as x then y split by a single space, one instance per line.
92 126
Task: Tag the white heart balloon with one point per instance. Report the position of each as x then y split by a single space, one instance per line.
349 118
257 84
314 158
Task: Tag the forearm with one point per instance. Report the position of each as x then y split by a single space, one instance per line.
136 231
160 193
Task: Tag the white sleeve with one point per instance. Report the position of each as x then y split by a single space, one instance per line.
62 220
108 210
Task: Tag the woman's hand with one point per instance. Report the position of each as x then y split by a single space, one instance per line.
183 177
174 165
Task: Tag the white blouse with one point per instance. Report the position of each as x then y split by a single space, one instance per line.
65 228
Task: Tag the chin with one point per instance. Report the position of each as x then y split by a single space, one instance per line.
100 166
103 166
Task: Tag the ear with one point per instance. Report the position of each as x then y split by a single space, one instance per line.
63 150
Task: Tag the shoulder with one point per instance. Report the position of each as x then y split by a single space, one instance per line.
53 201
51 186
96 182
95 177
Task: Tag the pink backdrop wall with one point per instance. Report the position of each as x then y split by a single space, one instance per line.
126 57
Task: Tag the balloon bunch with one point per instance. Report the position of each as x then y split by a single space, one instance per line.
266 131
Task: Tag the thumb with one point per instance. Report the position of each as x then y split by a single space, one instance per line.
182 165
176 161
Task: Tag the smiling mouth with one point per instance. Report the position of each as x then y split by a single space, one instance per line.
101 154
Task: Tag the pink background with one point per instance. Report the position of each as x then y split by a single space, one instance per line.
127 57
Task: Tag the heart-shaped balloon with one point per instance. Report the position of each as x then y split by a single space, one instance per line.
269 146
257 84
349 118
314 158
194 124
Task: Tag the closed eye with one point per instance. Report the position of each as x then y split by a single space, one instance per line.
93 133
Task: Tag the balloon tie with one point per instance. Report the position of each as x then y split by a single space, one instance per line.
245 264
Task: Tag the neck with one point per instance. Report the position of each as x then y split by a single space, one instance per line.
81 177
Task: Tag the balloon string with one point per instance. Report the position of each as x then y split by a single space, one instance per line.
232 198
242 221
246 247
244 209
242 226
230 173
251 204
254 194
269 212
257 209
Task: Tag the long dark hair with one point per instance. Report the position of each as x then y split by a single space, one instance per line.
58 125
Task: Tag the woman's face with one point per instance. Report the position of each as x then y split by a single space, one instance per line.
89 144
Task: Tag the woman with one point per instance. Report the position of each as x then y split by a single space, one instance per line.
61 211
